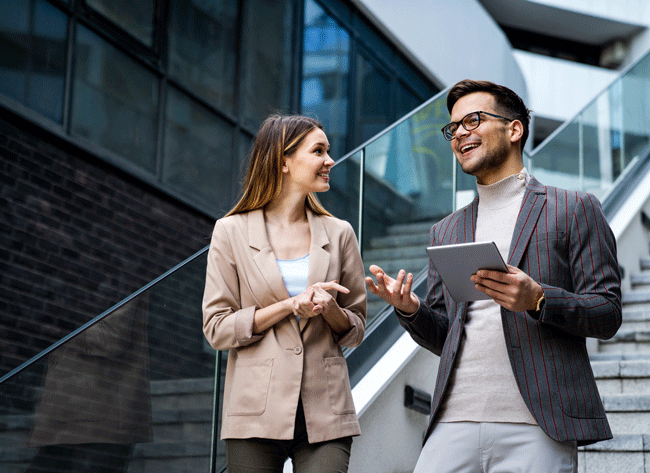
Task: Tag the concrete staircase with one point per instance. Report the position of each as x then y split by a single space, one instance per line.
622 370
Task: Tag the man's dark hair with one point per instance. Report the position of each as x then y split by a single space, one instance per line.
508 103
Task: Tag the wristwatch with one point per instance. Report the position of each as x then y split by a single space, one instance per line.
540 303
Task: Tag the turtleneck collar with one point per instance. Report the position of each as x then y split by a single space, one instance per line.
504 192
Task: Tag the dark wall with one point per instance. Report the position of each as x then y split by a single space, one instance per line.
77 237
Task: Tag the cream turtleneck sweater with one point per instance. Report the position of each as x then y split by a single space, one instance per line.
482 388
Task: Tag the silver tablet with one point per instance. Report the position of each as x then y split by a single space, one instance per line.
456 263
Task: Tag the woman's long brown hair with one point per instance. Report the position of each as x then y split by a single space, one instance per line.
278 136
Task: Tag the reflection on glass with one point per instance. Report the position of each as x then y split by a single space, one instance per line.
197 157
135 392
558 163
325 74
635 113
95 403
267 50
407 188
202 48
135 16
372 110
406 100
33 55
115 101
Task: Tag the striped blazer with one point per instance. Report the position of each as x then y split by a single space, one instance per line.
561 240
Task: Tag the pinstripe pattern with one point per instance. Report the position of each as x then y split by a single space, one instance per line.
562 240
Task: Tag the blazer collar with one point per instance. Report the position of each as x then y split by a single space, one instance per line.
319 253
531 208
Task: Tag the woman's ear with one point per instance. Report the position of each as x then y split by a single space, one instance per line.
285 166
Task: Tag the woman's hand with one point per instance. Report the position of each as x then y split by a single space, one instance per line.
315 300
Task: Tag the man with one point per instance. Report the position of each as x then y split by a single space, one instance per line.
515 391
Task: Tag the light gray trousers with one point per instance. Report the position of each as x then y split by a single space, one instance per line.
495 447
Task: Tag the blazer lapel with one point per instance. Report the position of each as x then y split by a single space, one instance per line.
465 234
467 223
319 255
265 259
531 208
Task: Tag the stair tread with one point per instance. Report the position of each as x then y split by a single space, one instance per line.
621 368
622 443
626 402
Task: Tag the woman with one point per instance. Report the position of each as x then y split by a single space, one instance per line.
284 291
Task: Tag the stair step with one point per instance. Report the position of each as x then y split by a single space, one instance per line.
626 341
393 241
622 377
623 453
640 279
415 251
391 267
410 228
636 297
628 414
645 264
636 319
182 394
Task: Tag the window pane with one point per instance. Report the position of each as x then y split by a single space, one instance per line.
372 111
115 101
406 100
202 48
325 74
135 16
267 59
198 152
32 55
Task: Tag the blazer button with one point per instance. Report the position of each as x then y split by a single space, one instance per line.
297 350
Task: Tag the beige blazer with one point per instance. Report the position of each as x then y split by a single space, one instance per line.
268 372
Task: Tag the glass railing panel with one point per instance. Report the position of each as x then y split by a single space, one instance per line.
342 200
557 163
136 388
598 146
407 186
635 112
596 152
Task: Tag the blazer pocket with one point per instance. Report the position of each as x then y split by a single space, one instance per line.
338 385
250 387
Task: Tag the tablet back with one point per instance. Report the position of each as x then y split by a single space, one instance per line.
456 263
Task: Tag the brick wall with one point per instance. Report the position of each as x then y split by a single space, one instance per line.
78 236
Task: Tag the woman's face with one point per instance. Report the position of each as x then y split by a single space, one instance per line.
307 169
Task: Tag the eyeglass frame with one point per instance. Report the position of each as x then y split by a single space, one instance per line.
460 122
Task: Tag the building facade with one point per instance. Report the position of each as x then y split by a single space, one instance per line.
124 129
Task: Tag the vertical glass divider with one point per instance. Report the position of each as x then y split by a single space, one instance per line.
215 414
621 130
362 167
581 154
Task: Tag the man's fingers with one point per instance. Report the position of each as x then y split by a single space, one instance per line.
397 285
371 286
406 289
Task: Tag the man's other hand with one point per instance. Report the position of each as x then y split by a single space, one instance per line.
397 292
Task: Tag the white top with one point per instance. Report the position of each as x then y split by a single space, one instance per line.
294 273
483 388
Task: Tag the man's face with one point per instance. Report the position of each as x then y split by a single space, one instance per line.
485 151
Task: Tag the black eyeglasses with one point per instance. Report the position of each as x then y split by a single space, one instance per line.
470 122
